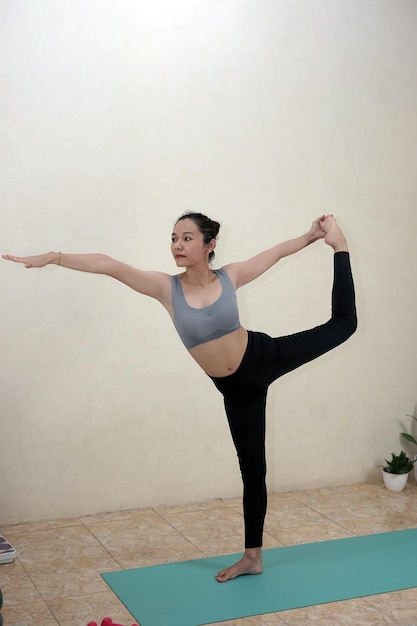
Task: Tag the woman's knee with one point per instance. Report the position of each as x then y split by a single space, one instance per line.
345 325
351 325
253 473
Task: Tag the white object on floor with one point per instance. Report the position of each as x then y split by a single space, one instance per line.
7 552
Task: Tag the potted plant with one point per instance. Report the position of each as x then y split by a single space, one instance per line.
412 439
395 472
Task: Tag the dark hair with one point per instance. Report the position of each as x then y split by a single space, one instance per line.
207 227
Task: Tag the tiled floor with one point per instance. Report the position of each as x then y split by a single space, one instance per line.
56 577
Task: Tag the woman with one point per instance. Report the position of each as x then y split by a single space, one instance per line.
242 364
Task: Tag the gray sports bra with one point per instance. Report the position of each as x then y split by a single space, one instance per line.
196 326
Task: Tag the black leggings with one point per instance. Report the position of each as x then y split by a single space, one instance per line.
265 360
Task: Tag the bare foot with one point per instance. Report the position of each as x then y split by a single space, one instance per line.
248 564
334 236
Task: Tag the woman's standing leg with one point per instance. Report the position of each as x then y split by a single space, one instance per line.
245 404
246 416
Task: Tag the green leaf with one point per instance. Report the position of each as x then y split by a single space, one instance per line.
409 438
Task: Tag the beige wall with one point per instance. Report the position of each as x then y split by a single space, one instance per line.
115 117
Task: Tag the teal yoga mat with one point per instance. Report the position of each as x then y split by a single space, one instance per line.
186 593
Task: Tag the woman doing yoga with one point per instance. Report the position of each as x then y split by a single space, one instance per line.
242 364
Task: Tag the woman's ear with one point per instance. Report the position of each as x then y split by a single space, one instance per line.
210 246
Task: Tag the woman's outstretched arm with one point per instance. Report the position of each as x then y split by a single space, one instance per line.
245 271
153 284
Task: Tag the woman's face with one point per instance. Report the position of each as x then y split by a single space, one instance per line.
187 244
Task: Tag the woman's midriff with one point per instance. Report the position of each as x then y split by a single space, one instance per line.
222 356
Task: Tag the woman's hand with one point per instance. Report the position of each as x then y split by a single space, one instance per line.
316 230
40 260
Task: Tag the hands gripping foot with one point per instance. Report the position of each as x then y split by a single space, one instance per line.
333 234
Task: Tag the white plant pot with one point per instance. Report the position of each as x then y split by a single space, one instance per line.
394 482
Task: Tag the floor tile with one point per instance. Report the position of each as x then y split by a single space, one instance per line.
374 490
118 537
145 556
371 490
146 518
16 585
212 524
349 613
399 502
67 583
311 495
61 543
379 524
325 530
291 514
79 611
34 613
398 605
351 506
218 503
57 566
45 525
